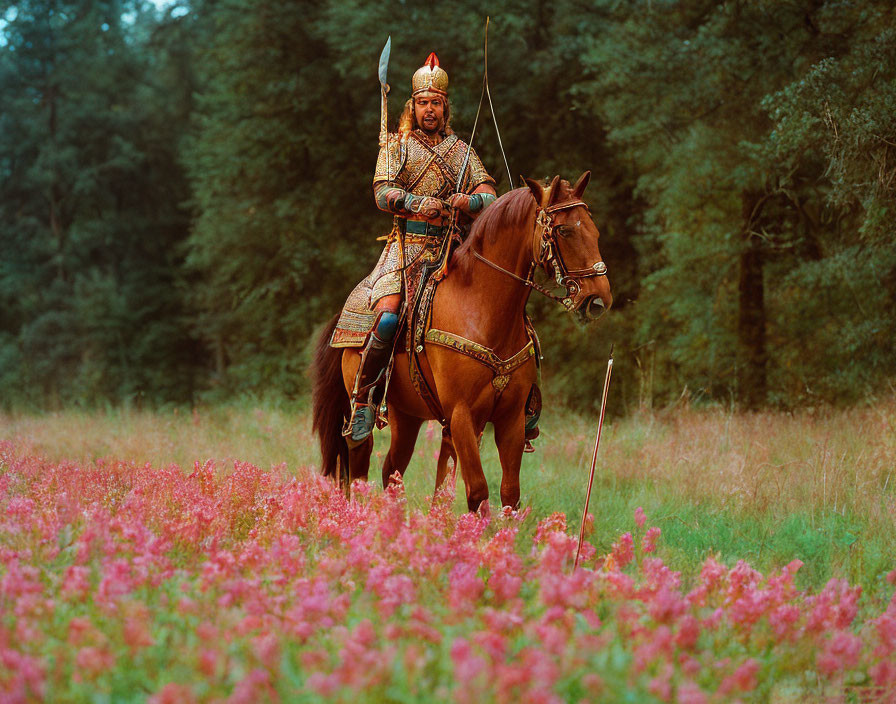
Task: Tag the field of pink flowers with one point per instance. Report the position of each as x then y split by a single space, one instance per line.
121 582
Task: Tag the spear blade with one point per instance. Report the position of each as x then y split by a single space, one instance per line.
384 63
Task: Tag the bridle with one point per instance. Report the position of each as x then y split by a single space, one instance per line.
546 253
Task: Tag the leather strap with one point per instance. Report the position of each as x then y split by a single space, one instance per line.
501 368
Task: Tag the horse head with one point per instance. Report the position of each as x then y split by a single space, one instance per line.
565 245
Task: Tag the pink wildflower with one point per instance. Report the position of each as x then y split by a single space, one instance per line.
742 679
254 687
208 662
784 620
688 632
841 652
80 631
712 574
648 543
835 606
93 661
505 586
667 605
467 665
883 674
466 586
267 650
690 693
640 518
22 677
173 693
555 522
623 551
885 629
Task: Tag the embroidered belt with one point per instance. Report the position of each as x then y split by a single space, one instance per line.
418 227
502 368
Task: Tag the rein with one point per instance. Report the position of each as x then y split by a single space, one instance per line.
545 250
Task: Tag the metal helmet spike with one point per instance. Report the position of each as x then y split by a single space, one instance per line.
430 78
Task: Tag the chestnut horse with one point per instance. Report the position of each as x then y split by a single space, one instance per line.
483 300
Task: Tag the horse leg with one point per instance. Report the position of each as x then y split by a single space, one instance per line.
359 455
404 437
465 433
446 452
359 460
510 437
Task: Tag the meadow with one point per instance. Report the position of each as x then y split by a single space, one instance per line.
196 556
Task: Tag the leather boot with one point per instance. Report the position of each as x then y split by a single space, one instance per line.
368 391
533 413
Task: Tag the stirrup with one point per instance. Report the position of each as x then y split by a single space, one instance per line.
531 434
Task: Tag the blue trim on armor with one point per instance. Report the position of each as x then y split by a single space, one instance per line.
475 203
386 327
487 199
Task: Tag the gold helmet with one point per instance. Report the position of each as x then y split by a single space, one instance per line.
430 78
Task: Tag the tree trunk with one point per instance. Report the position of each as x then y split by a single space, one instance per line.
751 368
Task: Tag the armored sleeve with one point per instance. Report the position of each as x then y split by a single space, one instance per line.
388 164
477 175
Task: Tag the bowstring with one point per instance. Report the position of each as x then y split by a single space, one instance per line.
491 106
463 170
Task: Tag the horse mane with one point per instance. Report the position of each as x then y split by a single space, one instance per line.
507 212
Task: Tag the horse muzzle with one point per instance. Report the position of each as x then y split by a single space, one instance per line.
590 309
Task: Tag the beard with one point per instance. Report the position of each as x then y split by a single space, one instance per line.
433 127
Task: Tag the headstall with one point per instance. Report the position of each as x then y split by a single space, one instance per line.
546 252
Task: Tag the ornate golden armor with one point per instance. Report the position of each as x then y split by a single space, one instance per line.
423 170
410 163
427 170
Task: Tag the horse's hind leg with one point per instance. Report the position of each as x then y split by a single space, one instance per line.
404 437
359 455
446 452
359 460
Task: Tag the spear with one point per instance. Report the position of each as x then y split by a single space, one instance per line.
384 92
600 425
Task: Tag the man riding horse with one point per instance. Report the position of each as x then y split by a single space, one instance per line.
416 180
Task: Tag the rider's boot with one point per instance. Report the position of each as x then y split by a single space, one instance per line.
368 391
533 413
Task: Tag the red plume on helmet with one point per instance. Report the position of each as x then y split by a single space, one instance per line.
430 77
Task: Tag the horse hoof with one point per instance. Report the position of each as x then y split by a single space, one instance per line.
483 510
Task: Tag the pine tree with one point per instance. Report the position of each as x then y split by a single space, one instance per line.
92 210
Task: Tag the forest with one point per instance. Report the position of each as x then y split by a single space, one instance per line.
185 188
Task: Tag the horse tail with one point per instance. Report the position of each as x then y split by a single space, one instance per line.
329 404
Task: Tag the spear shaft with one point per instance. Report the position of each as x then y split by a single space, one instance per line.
600 425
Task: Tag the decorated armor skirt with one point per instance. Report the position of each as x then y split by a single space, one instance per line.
358 315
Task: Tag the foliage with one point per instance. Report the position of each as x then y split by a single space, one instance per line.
90 199
185 194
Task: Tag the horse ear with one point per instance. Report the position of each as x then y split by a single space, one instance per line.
581 185
553 191
535 187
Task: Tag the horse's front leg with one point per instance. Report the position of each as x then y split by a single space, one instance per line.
510 437
405 429
465 430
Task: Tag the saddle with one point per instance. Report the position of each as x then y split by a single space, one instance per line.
417 332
